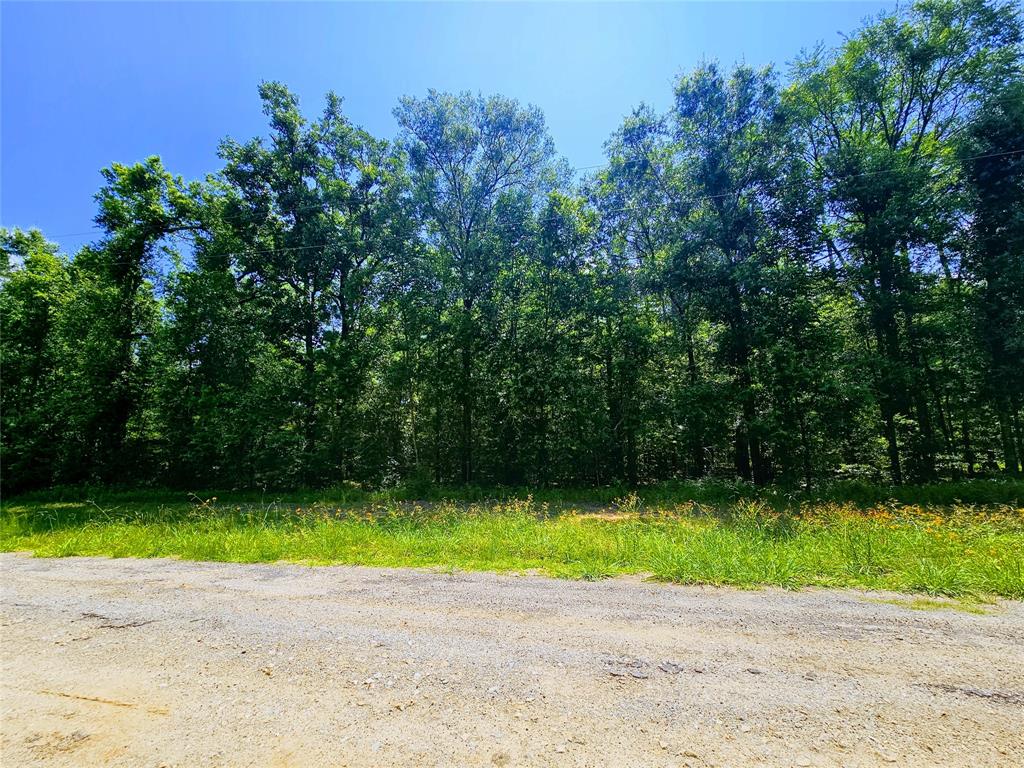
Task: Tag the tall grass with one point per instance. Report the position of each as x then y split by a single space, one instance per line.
711 491
958 550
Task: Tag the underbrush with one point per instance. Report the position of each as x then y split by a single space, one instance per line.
709 491
955 550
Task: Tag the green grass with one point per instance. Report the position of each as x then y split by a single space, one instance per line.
979 491
930 604
960 550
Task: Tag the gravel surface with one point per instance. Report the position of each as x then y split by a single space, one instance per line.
168 663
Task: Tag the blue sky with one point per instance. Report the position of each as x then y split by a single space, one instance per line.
84 85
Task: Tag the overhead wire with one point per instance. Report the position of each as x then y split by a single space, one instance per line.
621 209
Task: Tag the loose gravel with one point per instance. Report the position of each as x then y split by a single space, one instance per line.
168 663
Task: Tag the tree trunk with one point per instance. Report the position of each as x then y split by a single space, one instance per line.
1018 433
742 452
969 457
467 414
892 445
805 450
696 425
1010 457
887 341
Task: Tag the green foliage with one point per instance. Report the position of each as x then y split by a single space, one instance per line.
962 551
879 116
32 303
809 286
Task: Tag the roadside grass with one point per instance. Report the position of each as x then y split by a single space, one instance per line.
986 491
964 605
960 550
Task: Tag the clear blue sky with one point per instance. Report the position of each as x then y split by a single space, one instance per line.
84 85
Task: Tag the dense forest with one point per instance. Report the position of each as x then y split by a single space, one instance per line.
788 277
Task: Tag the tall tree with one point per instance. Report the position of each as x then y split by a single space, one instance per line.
823 282
880 112
993 147
468 153
114 313
36 289
715 200
314 217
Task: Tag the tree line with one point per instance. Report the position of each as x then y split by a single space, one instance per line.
778 280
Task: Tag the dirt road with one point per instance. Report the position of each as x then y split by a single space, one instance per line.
166 663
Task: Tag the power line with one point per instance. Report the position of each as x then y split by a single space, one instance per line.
300 208
1000 100
576 169
620 209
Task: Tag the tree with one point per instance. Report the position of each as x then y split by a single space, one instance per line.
764 284
467 154
35 291
113 315
880 112
312 220
994 256
715 200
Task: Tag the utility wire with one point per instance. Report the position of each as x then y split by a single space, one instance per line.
621 209
1008 100
300 208
581 168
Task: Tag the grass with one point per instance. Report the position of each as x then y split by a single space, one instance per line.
959 550
859 492
931 604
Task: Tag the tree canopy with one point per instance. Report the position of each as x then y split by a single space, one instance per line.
784 278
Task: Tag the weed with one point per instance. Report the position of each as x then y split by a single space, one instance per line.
959 550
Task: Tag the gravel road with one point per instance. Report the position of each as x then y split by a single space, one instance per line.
168 663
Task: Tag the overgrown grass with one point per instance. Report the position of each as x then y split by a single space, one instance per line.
957 550
711 491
